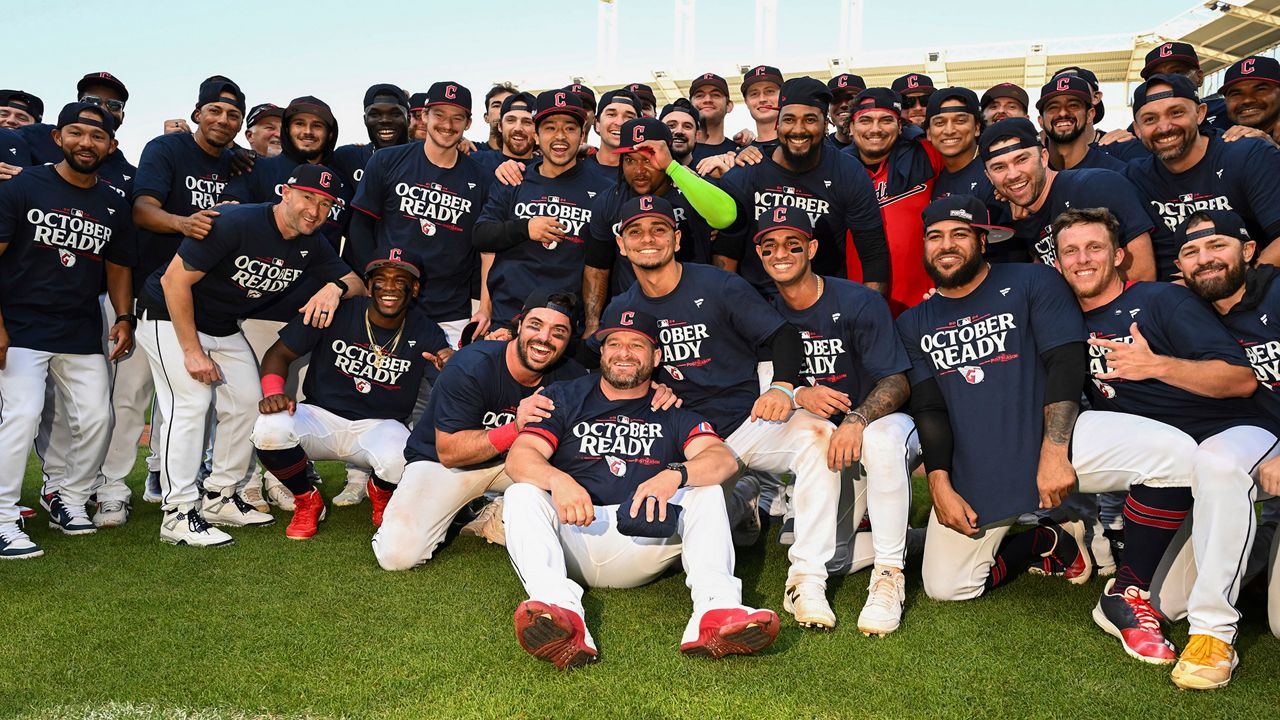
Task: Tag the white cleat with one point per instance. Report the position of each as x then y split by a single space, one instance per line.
488 524
15 545
252 494
278 494
807 601
232 511
353 493
187 527
111 513
886 594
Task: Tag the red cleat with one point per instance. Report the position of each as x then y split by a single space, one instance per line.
26 512
1129 616
553 634
308 511
378 498
733 631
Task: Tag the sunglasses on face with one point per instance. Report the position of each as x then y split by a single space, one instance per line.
911 101
112 105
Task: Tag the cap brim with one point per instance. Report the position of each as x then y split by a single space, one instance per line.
995 233
665 218
316 190
755 239
605 332
398 264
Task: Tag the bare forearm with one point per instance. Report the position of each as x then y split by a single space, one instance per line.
181 308
465 447
154 218
725 263
486 302
526 465
120 288
712 466
1208 378
1059 421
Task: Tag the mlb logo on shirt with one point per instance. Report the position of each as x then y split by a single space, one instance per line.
617 465
66 258
1186 198
278 262
789 190
806 335
553 198
253 294
428 227
972 374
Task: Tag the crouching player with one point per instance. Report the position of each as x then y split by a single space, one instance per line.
366 368
601 496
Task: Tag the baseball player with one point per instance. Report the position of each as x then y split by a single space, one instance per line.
1018 167
602 458
844 90
61 230
804 172
386 119
1251 89
902 165
477 407
1003 100
588 98
417 117
615 108
1066 116
190 333
914 89
1179 58
366 367
648 168
425 198
537 230
953 128
714 329
15 154
855 376
518 133
683 121
262 129
107 92
493 101
998 362
19 108
648 106
709 94
1188 170
760 88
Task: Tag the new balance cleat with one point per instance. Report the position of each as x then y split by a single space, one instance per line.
70 519
554 634
252 494
807 601
1129 616
1205 664
733 631
309 511
886 594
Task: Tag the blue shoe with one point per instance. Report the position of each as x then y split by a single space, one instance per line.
151 493
15 545
70 519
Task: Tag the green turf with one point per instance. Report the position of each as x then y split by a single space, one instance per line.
119 625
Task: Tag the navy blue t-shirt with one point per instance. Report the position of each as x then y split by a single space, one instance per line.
1238 175
429 211
1252 327
984 351
850 342
346 376
837 195
476 392
13 148
185 179
611 446
1083 188
702 150
1094 157
528 266
350 160
972 180
602 247
247 265
712 327
56 237
1178 324
265 183
42 150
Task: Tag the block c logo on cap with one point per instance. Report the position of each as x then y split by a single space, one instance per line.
394 255
326 179
451 92
646 203
1246 66
626 318
780 214
842 81
1064 83
560 101
637 134
913 81
1166 50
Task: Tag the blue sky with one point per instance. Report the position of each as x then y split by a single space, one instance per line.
279 50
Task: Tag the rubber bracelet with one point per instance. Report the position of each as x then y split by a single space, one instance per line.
790 393
502 436
272 385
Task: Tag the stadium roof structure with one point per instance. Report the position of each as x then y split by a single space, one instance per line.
1222 32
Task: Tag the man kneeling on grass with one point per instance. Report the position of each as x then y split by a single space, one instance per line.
600 495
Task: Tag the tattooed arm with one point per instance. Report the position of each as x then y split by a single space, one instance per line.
1067 367
846 442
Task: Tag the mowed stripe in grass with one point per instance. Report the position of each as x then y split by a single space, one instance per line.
120 625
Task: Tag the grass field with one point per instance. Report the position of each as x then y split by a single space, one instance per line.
117 625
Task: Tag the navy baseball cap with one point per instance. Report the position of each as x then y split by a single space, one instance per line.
1005 90
912 82
260 112
637 130
644 92
394 258
211 91
846 83
448 92
711 79
1019 129
759 74
964 95
639 526
618 319
71 112
102 78
1180 86
315 178
1073 85
681 106
1099 110
1254 67
1166 52
626 97
390 93
646 206
520 101
1221 222
558 102
418 101
542 299
877 99
783 218
805 91
584 93
313 105
23 100
966 209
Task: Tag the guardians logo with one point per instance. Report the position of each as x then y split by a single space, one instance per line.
70 231
434 206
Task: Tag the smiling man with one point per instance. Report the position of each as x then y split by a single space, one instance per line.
386 120
1251 88
1066 116
844 91
709 94
615 108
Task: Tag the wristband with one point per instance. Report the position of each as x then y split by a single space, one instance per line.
341 286
131 319
272 384
503 436
790 393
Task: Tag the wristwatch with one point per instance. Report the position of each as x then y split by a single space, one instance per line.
684 473
131 319
341 285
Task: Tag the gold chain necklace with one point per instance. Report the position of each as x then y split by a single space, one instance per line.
380 352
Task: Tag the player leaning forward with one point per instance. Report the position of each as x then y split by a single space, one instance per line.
189 330
601 495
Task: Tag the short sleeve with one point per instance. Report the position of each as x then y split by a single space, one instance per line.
11 202
1191 327
300 337
123 248
325 263
155 171
1054 311
750 315
921 367
1262 169
372 191
602 245
552 428
460 402
880 350
204 254
498 207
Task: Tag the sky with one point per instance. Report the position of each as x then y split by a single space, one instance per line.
280 50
